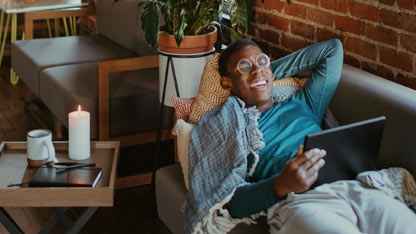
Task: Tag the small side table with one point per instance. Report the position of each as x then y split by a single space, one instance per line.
14 170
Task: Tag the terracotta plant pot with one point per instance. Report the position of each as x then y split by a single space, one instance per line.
30 1
190 44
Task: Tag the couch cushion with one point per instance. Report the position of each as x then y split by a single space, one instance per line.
170 198
134 104
31 56
120 22
361 95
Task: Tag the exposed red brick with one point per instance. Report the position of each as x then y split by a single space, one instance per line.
378 70
274 5
335 5
408 42
409 81
269 36
348 24
278 53
278 22
348 59
361 47
387 2
313 2
321 17
260 17
323 35
396 59
400 20
382 34
302 29
406 4
296 10
292 43
257 3
364 11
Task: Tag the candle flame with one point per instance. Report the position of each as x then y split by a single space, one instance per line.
79 109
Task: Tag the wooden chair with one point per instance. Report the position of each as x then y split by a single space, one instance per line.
112 74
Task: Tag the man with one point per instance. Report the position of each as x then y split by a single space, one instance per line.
246 156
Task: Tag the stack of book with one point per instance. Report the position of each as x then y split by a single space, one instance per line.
68 175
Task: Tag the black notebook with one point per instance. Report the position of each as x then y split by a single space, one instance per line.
79 177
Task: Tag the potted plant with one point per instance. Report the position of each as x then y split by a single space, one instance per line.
189 21
191 17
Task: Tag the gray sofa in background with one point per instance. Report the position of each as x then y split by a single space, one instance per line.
64 73
359 96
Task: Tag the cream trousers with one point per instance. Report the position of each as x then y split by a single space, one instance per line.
341 207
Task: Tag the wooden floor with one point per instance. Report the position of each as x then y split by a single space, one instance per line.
132 211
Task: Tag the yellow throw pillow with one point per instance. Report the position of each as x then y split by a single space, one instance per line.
210 92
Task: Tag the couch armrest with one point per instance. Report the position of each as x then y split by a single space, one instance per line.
361 95
104 69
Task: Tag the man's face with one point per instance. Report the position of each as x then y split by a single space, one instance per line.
255 87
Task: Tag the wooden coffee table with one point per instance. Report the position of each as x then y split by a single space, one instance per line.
14 170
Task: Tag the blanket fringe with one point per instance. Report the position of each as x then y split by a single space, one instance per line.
219 220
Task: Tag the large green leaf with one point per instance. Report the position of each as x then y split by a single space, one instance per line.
150 22
179 31
238 14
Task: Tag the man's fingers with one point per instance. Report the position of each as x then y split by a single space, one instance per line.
311 157
300 159
300 151
312 173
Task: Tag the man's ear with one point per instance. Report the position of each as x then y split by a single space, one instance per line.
226 83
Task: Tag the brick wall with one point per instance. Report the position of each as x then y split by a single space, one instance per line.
379 36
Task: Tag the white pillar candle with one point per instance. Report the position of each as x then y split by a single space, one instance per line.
79 134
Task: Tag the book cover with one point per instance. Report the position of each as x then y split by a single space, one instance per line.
79 177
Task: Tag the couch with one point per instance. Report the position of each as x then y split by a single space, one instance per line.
359 96
113 74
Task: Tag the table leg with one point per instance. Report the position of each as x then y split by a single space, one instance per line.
3 39
1 32
82 220
65 219
74 227
65 26
49 28
14 79
8 222
49 225
74 18
57 27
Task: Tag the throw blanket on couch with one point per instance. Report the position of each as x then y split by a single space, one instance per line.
218 150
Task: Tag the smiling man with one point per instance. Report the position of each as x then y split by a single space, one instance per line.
246 155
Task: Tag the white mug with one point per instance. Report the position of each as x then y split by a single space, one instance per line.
40 149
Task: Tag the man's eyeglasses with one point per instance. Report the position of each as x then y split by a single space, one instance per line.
244 66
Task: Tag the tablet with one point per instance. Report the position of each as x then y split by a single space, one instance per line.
351 149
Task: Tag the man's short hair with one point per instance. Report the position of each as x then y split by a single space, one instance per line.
226 54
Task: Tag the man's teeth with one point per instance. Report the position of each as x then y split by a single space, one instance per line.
258 83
